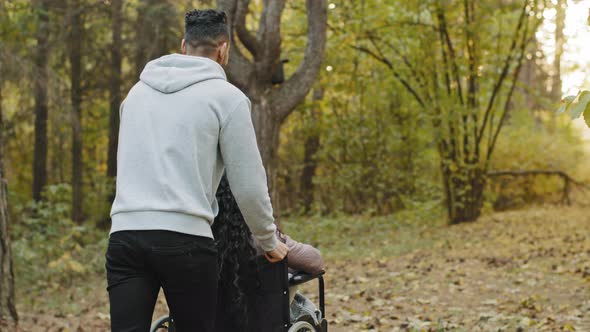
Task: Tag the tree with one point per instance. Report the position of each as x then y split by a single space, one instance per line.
311 148
75 56
155 31
41 61
115 97
115 86
467 100
253 73
559 43
8 314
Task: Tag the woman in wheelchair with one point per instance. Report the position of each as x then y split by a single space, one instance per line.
238 267
252 291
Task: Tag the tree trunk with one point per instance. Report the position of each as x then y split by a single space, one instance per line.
144 36
155 20
8 314
117 18
407 132
115 100
271 103
559 43
267 136
311 147
41 60
464 187
76 100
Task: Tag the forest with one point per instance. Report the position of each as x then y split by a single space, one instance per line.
418 144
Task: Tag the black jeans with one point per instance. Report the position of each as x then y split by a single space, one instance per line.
138 263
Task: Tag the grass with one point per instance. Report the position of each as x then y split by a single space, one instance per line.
339 238
417 258
350 237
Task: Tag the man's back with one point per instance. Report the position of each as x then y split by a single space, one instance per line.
171 147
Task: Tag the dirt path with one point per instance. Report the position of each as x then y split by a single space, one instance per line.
515 271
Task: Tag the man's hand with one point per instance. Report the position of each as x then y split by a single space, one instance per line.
278 254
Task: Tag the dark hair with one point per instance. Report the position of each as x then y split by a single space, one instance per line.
237 269
205 28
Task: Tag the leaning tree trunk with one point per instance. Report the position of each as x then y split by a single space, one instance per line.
41 60
8 315
75 45
272 100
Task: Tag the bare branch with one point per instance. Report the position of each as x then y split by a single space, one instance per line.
397 75
471 83
393 24
380 57
286 98
444 57
239 69
504 72
420 78
246 37
538 172
510 92
452 56
269 37
567 179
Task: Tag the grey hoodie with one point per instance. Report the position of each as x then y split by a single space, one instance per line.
182 126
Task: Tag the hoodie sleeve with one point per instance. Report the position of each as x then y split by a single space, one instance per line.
246 174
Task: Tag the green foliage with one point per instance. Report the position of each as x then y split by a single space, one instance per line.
576 106
535 142
49 249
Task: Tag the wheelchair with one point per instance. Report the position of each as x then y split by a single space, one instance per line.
268 304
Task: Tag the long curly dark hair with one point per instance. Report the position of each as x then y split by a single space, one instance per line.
237 268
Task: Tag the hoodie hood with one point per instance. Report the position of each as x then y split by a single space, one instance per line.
174 72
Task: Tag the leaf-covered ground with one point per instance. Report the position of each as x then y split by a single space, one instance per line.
514 271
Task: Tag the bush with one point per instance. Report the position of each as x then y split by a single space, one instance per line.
539 143
49 249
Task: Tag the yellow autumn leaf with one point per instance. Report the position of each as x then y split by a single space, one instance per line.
53 264
76 267
568 327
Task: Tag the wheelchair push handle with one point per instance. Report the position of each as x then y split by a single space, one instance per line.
299 277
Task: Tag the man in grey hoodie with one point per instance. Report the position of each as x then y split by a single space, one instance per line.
182 126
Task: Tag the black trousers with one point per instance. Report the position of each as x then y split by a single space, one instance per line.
138 263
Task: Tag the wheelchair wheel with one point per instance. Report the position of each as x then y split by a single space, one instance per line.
163 324
302 326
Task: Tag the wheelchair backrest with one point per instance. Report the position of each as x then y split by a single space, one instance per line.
268 303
